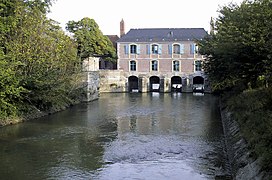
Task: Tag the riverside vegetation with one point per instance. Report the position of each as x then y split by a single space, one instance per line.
40 65
239 65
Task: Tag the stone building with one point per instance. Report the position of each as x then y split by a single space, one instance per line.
161 59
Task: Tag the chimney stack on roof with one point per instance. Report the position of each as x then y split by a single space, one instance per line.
122 28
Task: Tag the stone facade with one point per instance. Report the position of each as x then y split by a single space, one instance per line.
118 81
169 55
162 60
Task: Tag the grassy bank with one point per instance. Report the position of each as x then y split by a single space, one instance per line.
253 111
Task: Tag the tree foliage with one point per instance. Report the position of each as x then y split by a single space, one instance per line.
240 49
38 62
90 40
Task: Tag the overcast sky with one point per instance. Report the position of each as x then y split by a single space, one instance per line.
139 13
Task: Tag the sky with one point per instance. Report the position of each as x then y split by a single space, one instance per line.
139 13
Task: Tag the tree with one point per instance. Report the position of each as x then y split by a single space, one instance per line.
90 40
38 62
240 49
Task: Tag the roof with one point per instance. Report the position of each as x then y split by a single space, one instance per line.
163 34
113 39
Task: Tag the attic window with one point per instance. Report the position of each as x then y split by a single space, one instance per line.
170 34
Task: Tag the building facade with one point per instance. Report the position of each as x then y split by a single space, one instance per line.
162 59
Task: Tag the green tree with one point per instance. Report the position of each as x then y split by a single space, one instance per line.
38 61
10 89
90 40
239 52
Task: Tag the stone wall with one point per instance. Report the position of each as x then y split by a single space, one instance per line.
112 81
91 83
243 166
117 81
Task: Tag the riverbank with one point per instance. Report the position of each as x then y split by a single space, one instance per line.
35 113
247 131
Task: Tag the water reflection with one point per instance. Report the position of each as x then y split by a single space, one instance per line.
120 136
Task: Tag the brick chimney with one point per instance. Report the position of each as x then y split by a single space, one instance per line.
122 28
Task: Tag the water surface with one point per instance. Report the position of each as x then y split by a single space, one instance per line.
121 136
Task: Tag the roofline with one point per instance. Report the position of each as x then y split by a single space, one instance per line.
148 42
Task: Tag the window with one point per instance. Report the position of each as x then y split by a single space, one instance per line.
175 65
133 49
176 49
132 65
192 48
155 49
198 65
154 65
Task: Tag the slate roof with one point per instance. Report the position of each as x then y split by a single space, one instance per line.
163 34
113 39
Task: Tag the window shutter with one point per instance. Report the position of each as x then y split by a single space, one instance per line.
170 48
192 49
160 49
126 49
138 49
148 49
196 48
182 49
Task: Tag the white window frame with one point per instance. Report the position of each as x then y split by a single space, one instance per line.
179 46
136 65
196 68
153 51
130 49
173 66
151 65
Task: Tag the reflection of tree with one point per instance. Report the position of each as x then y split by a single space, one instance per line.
91 145
44 149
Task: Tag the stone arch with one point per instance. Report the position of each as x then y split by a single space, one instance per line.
176 84
154 82
198 80
133 83
198 84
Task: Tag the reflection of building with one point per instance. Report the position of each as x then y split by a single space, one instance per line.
161 59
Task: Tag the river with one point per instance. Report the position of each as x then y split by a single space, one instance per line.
121 136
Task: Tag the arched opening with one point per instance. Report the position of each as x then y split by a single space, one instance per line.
133 84
176 84
198 80
198 84
154 82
